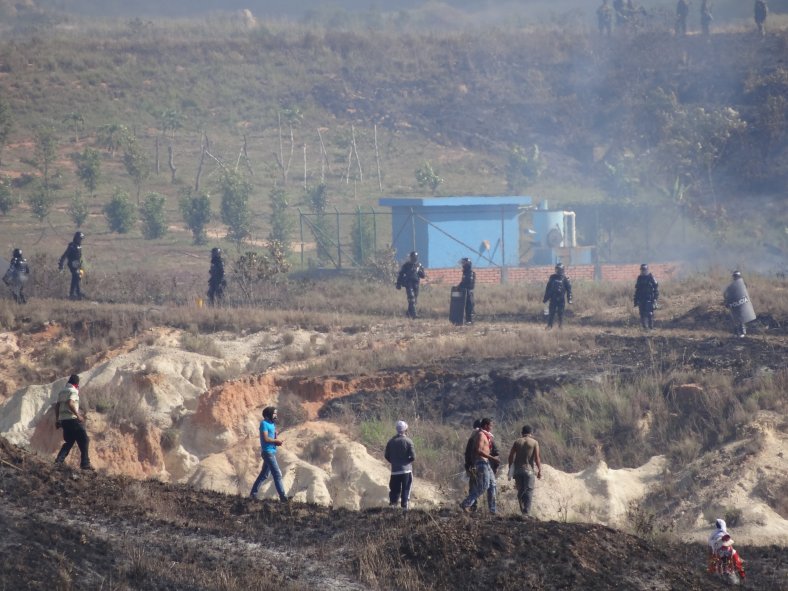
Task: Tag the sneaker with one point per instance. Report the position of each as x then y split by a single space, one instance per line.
284 500
88 467
253 497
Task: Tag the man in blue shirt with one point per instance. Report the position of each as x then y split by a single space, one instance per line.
268 443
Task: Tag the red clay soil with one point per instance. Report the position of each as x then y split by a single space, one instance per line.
66 529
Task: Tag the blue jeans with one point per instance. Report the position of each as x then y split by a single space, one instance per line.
525 490
483 482
270 467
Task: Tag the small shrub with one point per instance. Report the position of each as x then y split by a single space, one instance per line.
639 520
120 213
154 224
197 343
733 516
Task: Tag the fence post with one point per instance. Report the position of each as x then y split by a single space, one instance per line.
339 246
374 230
301 232
360 237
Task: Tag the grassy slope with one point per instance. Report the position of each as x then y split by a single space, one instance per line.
459 100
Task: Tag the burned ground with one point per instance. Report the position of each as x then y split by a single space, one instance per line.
72 530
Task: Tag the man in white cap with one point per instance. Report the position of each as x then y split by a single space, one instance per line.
400 454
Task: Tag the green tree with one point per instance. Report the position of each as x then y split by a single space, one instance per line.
281 224
136 164
154 224
88 168
44 154
112 137
5 125
120 213
196 212
252 269
427 177
40 201
317 199
524 167
170 121
78 209
236 216
76 122
362 236
7 198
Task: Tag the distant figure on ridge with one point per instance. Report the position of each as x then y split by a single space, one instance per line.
604 17
410 275
760 12
682 12
737 300
216 282
646 296
557 293
706 17
73 258
16 276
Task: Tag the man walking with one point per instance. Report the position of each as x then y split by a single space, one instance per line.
216 281
268 444
557 292
16 276
646 296
760 12
73 258
400 454
483 461
523 457
410 275
72 422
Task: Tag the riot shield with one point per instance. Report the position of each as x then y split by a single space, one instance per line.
738 302
457 305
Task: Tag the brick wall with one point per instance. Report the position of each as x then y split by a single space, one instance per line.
451 276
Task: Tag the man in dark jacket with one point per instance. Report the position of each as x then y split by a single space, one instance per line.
409 277
73 258
216 282
400 454
468 282
646 296
16 276
557 293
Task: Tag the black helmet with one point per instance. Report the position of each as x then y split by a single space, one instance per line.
17 254
559 268
78 236
465 262
414 256
216 252
737 274
644 268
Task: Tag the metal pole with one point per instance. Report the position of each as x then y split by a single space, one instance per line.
301 230
339 247
374 230
360 260
413 228
503 250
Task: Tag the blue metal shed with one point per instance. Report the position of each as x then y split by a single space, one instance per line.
445 229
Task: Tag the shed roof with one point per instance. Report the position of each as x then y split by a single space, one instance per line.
465 201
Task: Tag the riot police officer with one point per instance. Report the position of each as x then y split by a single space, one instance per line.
411 273
737 300
557 293
468 282
216 282
646 296
16 276
73 258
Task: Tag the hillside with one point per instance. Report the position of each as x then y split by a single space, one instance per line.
693 128
72 530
